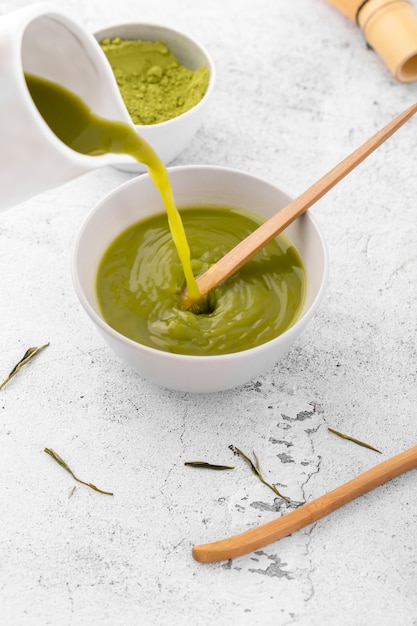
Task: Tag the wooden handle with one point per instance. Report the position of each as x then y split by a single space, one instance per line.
308 513
247 248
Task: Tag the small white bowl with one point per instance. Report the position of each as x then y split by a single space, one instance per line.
195 185
169 138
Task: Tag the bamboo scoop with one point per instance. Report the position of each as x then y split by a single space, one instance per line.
246 249
308 513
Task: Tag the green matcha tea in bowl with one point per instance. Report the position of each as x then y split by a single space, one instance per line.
166 79
129 279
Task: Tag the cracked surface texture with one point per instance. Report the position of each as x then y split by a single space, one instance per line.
297 90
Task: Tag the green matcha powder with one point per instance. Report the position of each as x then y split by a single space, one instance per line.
154 85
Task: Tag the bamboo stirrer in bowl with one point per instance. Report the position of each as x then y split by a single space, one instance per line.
308 513
248 247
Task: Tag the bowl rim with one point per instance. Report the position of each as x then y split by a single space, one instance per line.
98 320
209 62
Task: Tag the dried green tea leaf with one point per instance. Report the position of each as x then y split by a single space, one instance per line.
255 467
205 465
360 443
29 354
63 464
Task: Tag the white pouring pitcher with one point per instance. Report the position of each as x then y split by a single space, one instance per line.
43 40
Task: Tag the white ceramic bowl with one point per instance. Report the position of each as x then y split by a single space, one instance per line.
194 185
168 138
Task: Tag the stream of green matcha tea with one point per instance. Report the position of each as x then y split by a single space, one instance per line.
82 130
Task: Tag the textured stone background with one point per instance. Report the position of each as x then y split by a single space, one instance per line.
297 90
